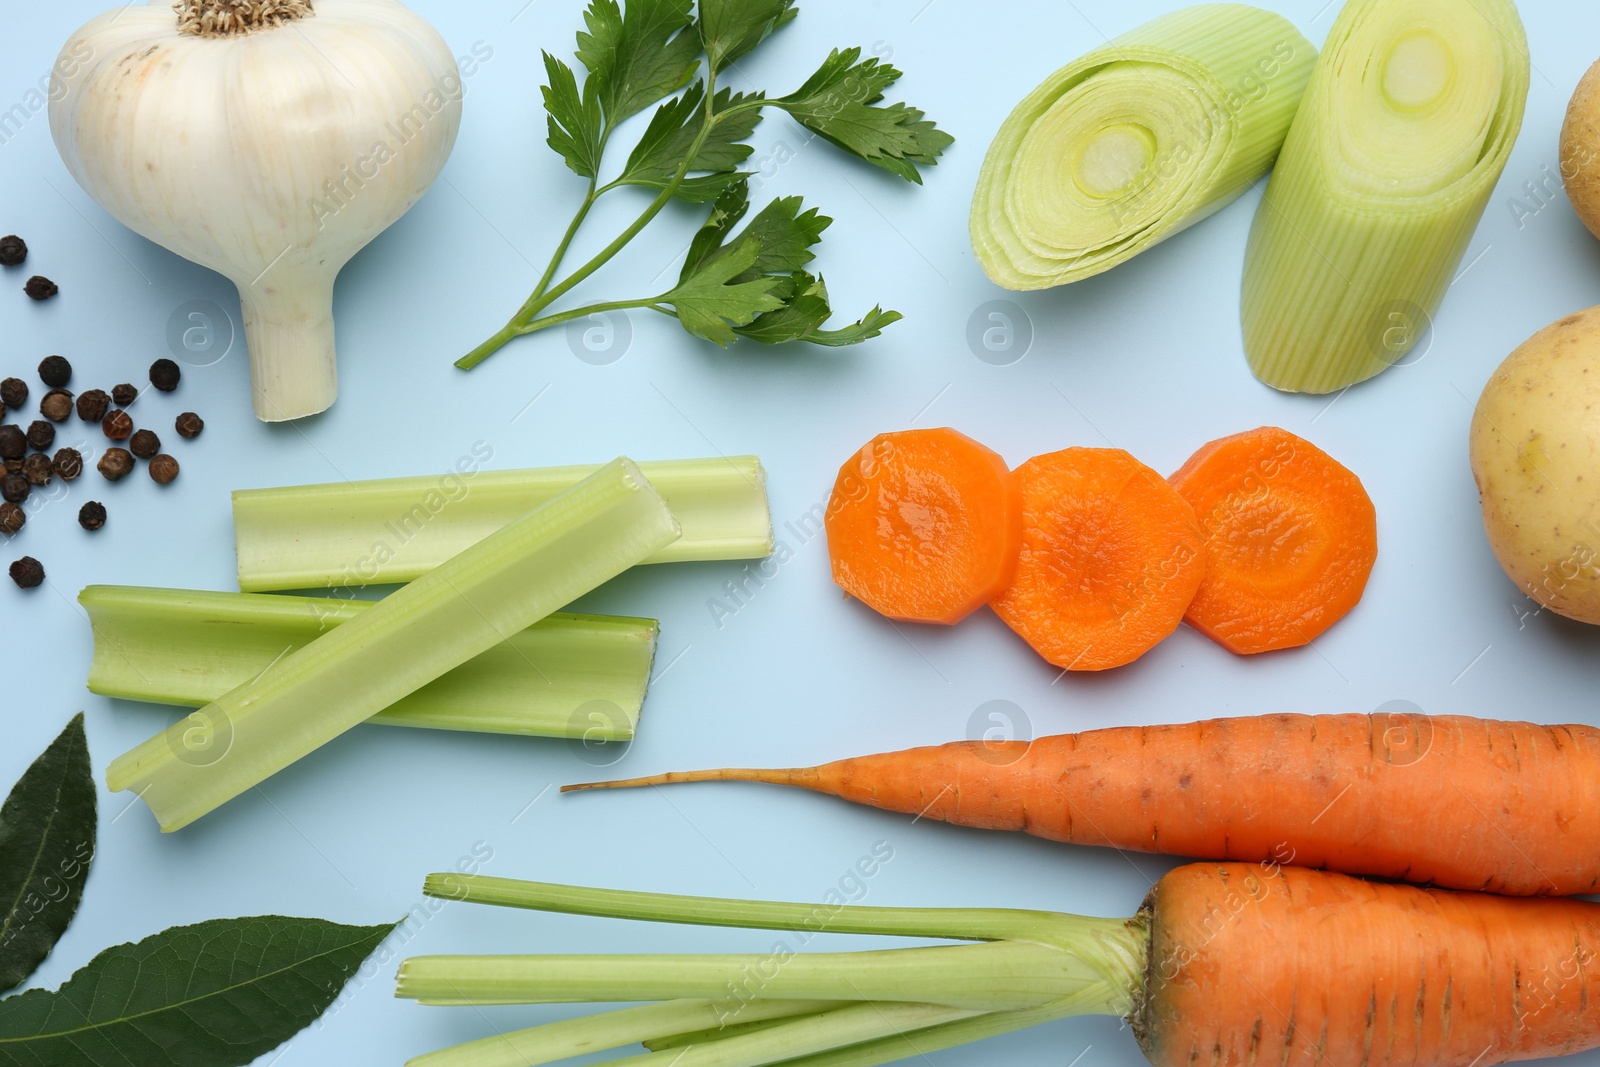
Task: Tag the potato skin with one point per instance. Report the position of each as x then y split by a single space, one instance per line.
1580 150
1536 459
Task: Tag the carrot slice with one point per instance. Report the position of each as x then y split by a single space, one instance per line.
1111 557
1291 536
924 525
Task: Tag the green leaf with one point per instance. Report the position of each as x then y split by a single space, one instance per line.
47 837
782 233
726 211
805 310
709 303
216 994
839 104
637 55
576 125
731 28
671 134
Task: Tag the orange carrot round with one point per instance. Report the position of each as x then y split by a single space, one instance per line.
924 525
1252 966
1291 537
1446 800
1111 557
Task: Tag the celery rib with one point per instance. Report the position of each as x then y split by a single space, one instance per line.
1135 141
573 676
1408 123
388 531
503 584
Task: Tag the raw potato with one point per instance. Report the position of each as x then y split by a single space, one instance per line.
1580 150
1536 458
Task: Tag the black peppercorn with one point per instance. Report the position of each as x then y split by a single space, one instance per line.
27 572
93 405
68 464
189 425
12 518
13 393
163 469
144 444
40 288
15 489
56 405
11 466
115 464
55 371
124 394
92 515
41 435
13 250
164 375
36 469
118 425
13 442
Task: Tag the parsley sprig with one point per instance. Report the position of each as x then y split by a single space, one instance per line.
752 284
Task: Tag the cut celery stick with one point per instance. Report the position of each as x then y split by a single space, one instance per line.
353 534
594 531
576 676
596 1033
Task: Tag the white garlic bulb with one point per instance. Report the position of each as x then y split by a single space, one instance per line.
269 140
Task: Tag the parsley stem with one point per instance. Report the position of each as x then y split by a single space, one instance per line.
528 315
535 325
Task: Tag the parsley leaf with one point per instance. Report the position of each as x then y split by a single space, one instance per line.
731 28
637 55
671 133
576 127
711 301
805 310
838 103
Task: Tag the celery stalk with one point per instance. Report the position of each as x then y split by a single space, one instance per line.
352 534
1032 967
173 646
585 536
1135 141
1407 125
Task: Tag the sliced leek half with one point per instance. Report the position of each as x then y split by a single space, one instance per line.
1121 149
1409 120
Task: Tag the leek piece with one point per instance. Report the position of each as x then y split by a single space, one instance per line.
176 646
559 551
1050 965
1409 120
1128 145
351 534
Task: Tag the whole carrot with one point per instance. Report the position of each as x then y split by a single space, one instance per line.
1226 965
1446 800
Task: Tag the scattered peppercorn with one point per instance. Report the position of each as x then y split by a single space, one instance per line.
93 405
36 468
13 442
115 464
92 515
144 444
41 288
118 425
11 466
124 394
163 469
56 405
68 464
189 425
13 250
41 435
55 371
13 393
15 489
12 518
164 375
28 573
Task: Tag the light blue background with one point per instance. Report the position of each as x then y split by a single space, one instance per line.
1147 358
